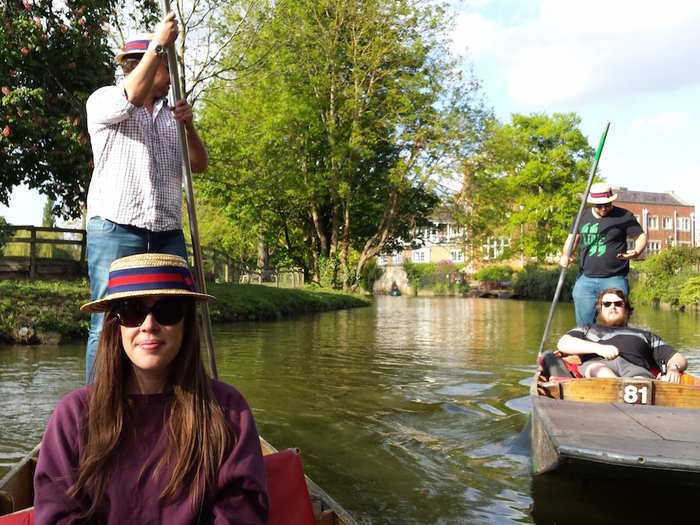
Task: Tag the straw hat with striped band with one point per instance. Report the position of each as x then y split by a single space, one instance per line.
601 193
144 275
135 45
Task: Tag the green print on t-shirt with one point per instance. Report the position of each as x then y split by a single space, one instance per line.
593 239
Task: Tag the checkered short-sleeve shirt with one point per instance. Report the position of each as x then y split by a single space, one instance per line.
137 179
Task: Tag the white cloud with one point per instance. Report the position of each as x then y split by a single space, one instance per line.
576 52
665 122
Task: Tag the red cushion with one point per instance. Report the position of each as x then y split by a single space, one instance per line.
22 517
286 488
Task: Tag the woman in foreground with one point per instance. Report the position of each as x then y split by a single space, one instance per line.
153 439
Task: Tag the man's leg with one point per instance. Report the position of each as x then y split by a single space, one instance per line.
617 281
599 367
584 294
172 242
106 242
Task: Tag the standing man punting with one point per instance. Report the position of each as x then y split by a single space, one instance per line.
604 257
134 201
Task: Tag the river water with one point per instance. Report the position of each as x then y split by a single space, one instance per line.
413 410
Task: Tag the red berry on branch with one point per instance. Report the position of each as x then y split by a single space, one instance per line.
71 65
6 91
64 28
27 5
6 131
24 51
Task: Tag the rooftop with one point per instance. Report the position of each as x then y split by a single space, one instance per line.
648 197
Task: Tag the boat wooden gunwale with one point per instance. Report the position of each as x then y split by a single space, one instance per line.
584 426
17 491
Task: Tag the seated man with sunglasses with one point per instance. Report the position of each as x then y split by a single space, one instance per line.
611 348
604 257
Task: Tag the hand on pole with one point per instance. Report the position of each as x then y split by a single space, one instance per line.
166 31
565 260
182 112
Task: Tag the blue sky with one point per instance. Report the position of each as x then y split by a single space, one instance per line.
634 63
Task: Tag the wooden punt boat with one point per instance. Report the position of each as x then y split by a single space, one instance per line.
17 492
639 429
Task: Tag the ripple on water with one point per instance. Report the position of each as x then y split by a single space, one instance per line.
465 389
521 404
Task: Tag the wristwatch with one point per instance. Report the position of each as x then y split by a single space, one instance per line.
158 48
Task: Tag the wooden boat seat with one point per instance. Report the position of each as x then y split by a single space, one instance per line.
286 488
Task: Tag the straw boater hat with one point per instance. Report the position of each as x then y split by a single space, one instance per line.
601 193
135 45
144 275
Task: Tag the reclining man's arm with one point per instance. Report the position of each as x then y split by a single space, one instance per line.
573 345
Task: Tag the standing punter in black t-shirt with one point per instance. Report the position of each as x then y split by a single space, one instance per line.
604 229
610 348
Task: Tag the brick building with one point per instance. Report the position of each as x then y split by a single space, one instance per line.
665 217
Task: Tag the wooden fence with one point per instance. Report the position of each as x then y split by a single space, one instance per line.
36 266
218 265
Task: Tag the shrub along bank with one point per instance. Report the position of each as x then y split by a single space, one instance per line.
669 277
49 312
540 282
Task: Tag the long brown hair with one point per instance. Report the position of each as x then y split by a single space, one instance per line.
198 435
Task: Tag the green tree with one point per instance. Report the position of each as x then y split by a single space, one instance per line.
327 143
528 176
53 54
5 234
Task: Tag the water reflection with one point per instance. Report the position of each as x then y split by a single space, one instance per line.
605 502
410 411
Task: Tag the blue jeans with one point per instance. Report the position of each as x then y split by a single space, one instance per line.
108 241
586 291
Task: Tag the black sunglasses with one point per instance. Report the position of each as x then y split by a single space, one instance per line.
608 304
606 205
133 312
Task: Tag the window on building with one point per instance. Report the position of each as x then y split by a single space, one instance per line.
653 222
667 223
434 235
398 258
683 224
495 247
457 256
419 256
653 247
381 260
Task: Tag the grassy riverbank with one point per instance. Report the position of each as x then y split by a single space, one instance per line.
48 312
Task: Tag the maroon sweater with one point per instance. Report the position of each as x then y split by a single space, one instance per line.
241 492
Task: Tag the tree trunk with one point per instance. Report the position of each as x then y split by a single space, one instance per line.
319 229
263 255
345 246
314 262
335 223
